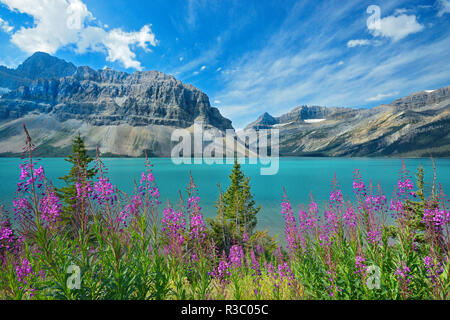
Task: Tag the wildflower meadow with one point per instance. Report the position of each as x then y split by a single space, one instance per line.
131 246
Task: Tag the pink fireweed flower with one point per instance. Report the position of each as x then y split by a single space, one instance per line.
396 205
308 219
24 272
403 271
405 186
131 209
147 177
39 174
27 179
197 227
285 273
22 207
6 234
256 272
332 220
434 269
336 197
6 240
290 229
350 217
148 188
404 278
84 190
360 267
197 223
173 226
303 227
222 271
104 192
376 202
436 217
50 208
324 235
374 235
236 256
274 277
24 171
313 210
359 188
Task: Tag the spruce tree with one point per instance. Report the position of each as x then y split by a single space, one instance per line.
80 171
236 211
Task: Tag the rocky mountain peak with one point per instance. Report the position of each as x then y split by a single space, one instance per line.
42 65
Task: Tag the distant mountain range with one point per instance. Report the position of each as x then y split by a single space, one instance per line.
126 114
415 126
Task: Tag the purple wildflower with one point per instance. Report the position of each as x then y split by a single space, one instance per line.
290 229
50 208
236 256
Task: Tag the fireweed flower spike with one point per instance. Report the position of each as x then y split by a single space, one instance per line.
290 229
51 208
404 278
173 227
197 225
24 273
236 256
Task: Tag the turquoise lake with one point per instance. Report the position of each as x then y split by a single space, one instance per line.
299 176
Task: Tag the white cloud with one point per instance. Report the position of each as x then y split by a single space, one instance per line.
181 59
4 25
396 27
381 96
202 68
444 7
217 102
358 43
61 23
280 76
400 11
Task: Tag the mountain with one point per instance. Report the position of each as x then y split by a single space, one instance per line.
121 113
39 66
129 114
415 126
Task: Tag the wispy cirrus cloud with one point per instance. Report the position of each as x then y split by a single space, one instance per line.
444 7
4 25
382 96
358 43
320 71
63 23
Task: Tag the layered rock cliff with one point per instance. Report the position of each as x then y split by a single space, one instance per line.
123 114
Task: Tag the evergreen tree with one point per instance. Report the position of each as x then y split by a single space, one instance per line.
417 208
79 172
236 216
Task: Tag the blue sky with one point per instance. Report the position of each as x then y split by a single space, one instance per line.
248 56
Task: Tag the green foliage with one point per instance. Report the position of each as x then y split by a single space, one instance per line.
236 211
79 171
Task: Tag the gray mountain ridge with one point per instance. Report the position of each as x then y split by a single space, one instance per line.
414 126
128 114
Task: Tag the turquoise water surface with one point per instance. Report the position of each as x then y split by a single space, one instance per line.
299 176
